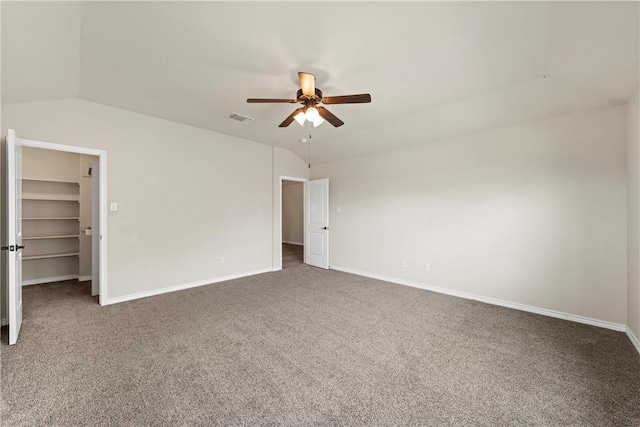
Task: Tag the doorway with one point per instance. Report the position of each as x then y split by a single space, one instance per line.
315 215
46 215
56 216
292 223
287 213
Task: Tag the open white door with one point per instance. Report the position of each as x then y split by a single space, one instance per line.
14 234
95 228
316 223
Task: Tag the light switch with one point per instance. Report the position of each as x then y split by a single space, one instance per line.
338 209
114 206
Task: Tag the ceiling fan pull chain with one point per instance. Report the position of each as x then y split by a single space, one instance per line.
309 150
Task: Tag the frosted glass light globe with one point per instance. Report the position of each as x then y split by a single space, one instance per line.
312 114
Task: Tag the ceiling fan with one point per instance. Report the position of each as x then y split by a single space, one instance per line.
310 97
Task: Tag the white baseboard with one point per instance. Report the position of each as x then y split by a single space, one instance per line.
49 279
634 339
293 243
84 278
494 301
154 292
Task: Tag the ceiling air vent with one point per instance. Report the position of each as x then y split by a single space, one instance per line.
240 117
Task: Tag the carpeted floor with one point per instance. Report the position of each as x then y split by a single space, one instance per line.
304 346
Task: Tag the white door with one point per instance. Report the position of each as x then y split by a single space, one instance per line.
14 234
316 223
95 228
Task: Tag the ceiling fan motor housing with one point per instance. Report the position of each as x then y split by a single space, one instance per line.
303 99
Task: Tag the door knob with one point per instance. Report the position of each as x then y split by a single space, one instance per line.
325 228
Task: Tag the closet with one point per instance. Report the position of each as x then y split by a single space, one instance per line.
56 216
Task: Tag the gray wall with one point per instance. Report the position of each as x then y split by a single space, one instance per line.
533 214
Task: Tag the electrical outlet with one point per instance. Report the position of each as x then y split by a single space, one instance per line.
221 260
404 263
426 267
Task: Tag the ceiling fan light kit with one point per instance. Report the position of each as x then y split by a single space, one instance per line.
311 115
310 97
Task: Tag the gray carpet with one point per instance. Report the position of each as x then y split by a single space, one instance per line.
305 346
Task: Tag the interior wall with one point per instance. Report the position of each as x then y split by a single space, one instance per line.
292 212
633 215
186 196
48 164
532 214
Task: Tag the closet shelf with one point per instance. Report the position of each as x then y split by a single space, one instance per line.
50 180
62 236
26 258
51 198
53 218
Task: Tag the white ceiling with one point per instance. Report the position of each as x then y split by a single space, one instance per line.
434 70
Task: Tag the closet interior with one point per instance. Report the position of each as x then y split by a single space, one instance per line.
56 216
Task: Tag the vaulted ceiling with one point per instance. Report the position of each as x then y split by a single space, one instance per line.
435 70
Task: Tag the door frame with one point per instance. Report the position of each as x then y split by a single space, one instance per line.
102 156
279 241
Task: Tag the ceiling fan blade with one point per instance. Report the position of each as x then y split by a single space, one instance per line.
260 100
328 116
290 119
307 83
347 99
